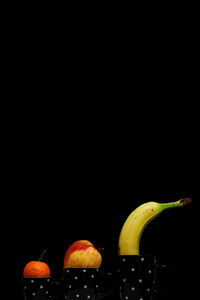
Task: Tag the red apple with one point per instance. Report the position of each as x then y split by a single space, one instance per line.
82 254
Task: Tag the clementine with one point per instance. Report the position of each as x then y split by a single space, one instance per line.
36 269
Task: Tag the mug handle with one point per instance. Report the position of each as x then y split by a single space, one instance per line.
165 285
112 288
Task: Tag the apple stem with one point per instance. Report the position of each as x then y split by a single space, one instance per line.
100 249
43 253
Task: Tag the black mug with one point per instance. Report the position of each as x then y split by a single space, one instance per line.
139 277
40 288
86 283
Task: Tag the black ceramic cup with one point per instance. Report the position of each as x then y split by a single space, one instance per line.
86 283
140 277
40 288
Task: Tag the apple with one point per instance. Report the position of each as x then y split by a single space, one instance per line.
82 254
36 268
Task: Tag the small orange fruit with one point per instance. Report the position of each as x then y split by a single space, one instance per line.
36 269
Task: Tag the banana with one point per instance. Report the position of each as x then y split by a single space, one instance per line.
129 240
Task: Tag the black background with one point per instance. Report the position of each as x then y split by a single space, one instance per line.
95 124
83 183
77 172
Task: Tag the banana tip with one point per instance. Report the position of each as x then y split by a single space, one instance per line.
185 201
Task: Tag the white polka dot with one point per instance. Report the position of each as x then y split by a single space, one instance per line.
70 286
41 287
77 295
126 297
141 299
88 296
123 259
142 258
148 289
133 269
85 286
124 279
32 281
92 276
33 294
84 270
25 287
48 280
76 277
140 280
47 292
133 288
97 269
149 271
97 286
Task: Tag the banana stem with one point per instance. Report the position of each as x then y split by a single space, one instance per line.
179 203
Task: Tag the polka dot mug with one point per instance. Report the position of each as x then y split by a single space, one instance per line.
40 288
87 283
138 277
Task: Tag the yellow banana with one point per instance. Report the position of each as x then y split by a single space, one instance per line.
129 240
